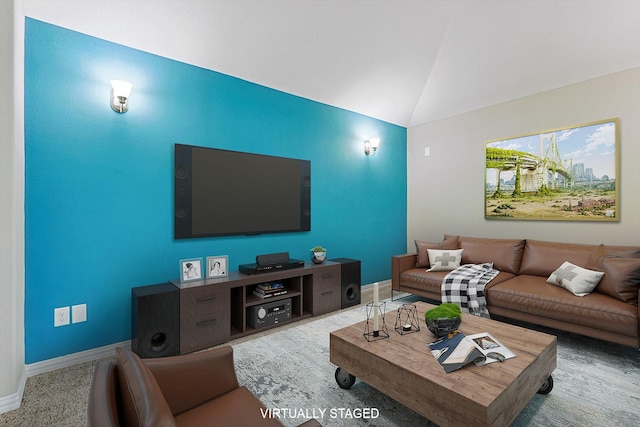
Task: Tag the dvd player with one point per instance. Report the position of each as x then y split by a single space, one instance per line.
259 268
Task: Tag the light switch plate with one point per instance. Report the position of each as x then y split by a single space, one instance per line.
78 313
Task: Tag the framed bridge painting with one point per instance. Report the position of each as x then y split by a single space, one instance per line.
568 174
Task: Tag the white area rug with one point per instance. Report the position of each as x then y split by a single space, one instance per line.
595 383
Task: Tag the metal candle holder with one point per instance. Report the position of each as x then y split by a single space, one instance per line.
382 332
407 319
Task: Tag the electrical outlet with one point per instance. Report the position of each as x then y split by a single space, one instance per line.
78 313
61 316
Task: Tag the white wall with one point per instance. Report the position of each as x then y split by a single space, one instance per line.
11 205
445 190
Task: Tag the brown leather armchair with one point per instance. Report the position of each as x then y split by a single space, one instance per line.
198 389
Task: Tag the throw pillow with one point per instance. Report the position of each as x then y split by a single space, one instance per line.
577 280
444 259
622 272
421 248
621 279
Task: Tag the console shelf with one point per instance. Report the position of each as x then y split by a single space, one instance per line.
254 300
213 311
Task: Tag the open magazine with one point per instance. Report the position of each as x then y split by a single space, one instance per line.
456 350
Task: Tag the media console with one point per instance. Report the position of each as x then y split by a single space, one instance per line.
213 311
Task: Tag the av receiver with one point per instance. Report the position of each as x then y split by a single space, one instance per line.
269 313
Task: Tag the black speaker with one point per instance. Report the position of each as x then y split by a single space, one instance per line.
350 273
272 259
155 320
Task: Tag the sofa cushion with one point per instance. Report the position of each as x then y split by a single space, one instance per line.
421 249
431 281
142 401
621 266
444 259
533 296
543 258
577 280
505 254
238 407
190 380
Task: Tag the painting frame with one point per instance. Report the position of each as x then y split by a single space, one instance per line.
190 270
563 174
221 270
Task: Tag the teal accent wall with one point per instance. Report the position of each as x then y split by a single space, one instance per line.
99 185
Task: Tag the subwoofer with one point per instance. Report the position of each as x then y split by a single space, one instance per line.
155 320
350 277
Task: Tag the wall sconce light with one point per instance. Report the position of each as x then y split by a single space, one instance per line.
371 146
120 91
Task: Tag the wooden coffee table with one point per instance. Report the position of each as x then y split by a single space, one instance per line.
403 368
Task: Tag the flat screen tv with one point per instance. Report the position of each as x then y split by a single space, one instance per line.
224 193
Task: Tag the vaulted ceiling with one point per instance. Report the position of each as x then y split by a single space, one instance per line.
406 62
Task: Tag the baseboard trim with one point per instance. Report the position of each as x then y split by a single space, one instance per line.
73 359
13 401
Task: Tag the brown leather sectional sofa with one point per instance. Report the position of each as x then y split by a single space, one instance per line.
197 389
520 290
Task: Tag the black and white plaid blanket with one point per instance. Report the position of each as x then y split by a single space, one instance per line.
465 285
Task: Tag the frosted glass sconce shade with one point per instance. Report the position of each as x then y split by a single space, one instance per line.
120 91
371 146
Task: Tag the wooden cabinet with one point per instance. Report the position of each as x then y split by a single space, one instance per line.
326 290
213 311
204 317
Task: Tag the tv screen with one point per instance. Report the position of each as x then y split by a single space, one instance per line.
222 193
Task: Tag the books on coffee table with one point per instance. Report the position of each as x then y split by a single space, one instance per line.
456 350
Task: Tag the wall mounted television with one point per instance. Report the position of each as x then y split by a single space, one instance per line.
224 193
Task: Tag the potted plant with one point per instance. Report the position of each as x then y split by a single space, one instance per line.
318 254
443 319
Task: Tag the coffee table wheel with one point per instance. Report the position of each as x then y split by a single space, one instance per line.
344 378
547 386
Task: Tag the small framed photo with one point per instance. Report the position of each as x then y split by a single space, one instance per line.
190 270
217 266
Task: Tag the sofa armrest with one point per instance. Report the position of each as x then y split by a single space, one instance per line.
190 380
399 264
103 407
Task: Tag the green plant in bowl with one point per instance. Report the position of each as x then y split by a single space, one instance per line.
444 311
318 254
444 319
